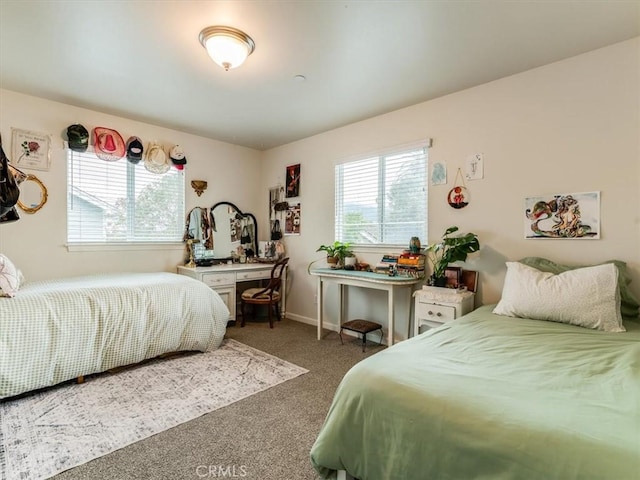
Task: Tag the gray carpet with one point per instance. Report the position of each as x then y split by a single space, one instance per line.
266 436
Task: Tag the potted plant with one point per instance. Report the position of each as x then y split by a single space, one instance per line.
336 252
450 249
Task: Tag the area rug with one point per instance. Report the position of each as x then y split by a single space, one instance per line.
47 432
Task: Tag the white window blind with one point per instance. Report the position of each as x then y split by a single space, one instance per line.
121 202
382 199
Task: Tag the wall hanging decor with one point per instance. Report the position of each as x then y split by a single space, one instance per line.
458 196
563 215
474 166
439 173
199 186
292 220
31 150
33 194
293 181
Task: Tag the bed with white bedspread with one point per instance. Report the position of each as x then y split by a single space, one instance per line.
53 331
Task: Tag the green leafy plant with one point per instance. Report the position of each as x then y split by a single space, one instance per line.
449 250
337 250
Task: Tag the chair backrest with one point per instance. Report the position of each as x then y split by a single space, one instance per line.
275 281
276 274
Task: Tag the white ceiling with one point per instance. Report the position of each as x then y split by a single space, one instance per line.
141 59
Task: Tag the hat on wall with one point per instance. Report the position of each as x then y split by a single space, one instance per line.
177 157
108 144
78 137
155 160
134 149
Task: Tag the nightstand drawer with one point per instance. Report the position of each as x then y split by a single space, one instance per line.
216 279
437 313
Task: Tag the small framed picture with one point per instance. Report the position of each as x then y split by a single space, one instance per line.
452 275
30 150
469 279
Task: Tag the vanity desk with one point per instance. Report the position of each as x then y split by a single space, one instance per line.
224 279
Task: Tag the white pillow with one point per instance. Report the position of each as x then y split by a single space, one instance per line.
10 277
587 297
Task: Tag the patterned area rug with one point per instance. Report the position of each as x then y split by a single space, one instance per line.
51 431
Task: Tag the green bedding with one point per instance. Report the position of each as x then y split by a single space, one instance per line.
490 397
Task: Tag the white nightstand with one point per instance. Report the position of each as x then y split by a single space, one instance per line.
435 306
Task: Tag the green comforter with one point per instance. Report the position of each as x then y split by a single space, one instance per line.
490 397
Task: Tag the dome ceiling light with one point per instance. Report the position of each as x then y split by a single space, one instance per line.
227 46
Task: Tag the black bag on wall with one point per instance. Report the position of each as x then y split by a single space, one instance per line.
276 233
9 191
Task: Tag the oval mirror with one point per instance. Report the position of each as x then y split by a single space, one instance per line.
219 231
33 194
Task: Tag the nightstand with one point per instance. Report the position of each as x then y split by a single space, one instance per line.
435 306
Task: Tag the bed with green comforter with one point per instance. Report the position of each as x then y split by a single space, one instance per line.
490 397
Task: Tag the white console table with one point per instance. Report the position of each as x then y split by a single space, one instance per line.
224 278
372 280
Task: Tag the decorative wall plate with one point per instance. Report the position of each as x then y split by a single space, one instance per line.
458 197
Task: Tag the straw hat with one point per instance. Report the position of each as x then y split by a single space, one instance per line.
155 160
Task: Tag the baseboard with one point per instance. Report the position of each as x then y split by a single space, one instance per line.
334 327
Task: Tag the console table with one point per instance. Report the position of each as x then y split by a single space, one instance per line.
354 278
224 279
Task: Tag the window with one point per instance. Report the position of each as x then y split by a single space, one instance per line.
121 202
382 199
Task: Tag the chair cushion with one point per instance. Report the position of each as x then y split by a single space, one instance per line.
249 292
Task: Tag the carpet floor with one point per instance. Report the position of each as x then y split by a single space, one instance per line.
266 436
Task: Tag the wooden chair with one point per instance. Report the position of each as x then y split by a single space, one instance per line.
269 296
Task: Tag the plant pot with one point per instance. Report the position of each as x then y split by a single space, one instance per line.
332 261
350 261
439 281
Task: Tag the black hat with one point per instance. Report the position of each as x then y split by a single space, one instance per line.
78 138
134 149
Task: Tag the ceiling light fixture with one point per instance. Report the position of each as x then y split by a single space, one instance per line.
227 46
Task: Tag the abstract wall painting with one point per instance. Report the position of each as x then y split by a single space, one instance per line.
439 173
564 215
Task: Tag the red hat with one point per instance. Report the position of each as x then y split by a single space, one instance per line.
108 144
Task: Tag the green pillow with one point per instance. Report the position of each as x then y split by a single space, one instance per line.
628 304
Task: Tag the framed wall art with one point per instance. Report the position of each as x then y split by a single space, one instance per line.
563 215
292 220
30 150
293 181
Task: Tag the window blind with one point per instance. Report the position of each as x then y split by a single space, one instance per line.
382 199
122 202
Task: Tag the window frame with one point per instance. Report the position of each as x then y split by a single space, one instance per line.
382 157
130 243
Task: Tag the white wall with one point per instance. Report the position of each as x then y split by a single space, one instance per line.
571 126
36 243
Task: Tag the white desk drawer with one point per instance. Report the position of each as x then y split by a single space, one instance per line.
437 313
216 279
255 275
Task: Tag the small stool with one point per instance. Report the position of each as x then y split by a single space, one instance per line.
363 327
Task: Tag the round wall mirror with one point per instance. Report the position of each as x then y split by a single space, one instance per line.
33 194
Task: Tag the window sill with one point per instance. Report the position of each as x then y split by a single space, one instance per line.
108 247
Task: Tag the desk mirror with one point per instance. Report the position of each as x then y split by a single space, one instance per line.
219 231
